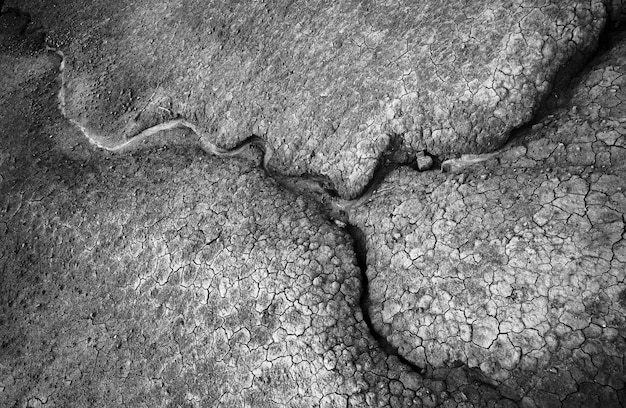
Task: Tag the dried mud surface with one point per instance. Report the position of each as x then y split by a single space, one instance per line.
329 86
515 265
170 278
167 276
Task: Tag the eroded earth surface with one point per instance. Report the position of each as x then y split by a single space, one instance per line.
515 265
327 85
171 278
173 272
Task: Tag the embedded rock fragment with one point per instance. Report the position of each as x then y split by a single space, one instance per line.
515 265
327 85
423 162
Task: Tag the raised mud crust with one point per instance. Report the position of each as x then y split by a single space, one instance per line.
326 84
515 265
169 277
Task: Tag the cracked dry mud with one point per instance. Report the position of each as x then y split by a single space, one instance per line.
172 278
515 265
166 276
325 85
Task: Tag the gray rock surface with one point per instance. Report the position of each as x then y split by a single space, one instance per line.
328 85
516 264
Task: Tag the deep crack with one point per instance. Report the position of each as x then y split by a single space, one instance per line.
313 187
321 190
360 249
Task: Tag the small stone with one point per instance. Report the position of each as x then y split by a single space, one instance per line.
424 163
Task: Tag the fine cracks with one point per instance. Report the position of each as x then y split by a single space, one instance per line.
317 188
312 187
360 250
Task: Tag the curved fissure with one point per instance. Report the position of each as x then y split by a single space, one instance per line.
360 249
317 188
314 187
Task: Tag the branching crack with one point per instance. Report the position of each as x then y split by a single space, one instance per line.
321 189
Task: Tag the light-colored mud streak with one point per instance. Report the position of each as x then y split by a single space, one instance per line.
337 205
135 142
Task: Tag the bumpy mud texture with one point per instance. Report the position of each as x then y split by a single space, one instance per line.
172 278
168 277
325 83
516 265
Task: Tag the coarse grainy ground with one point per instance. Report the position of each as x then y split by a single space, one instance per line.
168 276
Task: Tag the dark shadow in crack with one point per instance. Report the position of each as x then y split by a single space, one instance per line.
563 87
567 80
360 250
